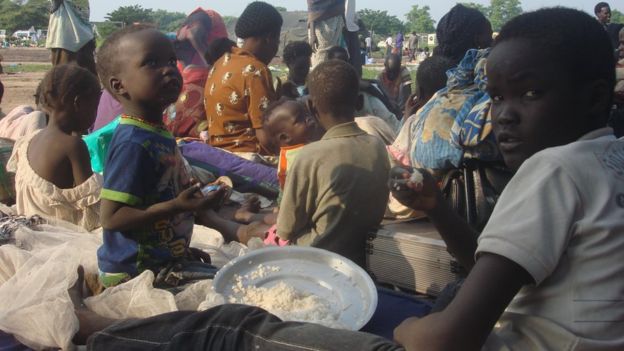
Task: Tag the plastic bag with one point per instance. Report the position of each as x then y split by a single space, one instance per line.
97 144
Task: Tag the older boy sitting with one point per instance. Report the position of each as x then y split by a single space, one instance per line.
335 191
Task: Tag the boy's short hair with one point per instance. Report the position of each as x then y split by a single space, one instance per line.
334 87
571 38
301 109
296 49
107 63
599 6
431 74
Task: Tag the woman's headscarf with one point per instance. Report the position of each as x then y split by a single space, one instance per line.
217 30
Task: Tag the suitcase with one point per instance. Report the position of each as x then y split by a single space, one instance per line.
411 256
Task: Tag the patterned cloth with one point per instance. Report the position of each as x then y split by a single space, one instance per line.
188 117
238 90
9 224
144 167
455 121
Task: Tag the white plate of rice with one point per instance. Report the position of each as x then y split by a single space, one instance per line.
302 284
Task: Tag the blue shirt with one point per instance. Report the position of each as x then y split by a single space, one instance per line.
144 167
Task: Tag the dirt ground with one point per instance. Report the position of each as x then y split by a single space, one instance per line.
19 88
25 55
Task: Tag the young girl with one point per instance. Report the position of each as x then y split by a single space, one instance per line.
53 176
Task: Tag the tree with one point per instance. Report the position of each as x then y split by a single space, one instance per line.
168 21
228 20
617 16
419 20
502 11
281 9
380 22
23 15
131 14
485 10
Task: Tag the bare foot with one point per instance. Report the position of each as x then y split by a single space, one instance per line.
89 321
248 210
252 230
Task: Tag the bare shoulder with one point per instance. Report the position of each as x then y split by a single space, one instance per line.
76 147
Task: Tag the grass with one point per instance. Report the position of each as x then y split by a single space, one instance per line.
369 73
26 68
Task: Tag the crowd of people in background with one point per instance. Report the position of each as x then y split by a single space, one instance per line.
536 111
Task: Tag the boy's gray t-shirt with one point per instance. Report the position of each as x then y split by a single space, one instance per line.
561 218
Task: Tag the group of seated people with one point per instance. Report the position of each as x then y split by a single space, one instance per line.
544 272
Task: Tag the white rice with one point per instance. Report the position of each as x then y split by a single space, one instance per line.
284 301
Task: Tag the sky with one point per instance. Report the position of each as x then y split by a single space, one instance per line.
99 8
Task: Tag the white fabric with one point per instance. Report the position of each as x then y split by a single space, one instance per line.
369 42
374 107
561 218
351 16
69 27
376 126
21 121
36 196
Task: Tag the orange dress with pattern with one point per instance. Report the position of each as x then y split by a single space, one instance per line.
238 90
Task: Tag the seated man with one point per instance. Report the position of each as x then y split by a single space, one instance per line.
334 193
395 81
298 58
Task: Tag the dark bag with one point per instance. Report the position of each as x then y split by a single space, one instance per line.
473 189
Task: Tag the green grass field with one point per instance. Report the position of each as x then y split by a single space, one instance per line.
26 68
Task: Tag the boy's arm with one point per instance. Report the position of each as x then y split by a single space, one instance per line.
460 238
523 242
466 323
129 178
118 216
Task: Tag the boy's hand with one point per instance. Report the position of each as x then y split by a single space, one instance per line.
412 105
192 199
422 196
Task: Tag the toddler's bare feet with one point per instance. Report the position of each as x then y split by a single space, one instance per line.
248 210
252 230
